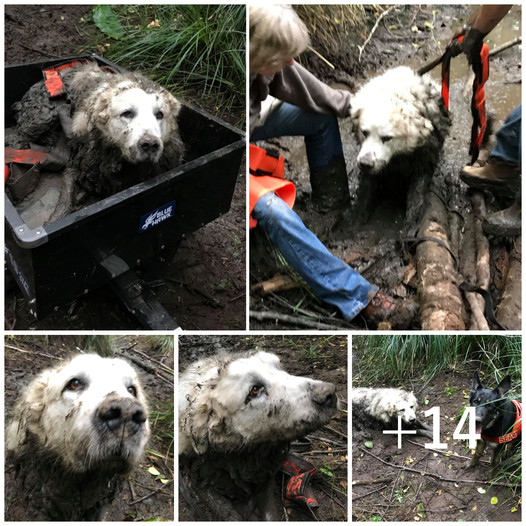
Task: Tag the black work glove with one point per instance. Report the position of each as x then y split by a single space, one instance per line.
472 45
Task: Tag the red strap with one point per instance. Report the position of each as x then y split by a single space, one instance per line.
478 105
52 80
24 156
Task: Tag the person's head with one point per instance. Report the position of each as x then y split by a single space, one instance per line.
277 35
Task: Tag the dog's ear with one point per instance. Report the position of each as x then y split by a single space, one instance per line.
476 383
504 386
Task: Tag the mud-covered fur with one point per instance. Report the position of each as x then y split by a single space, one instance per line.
494 417
237 415
383 405
73 434
400 122
122 129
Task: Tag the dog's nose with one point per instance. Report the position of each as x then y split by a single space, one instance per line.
149 146
116 413
325 395
366 163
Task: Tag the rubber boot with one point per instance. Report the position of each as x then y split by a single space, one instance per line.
507 222
330 186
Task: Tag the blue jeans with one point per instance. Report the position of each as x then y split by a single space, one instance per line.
508 145
321 132
330 278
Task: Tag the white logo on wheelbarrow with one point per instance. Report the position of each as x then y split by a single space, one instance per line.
157 216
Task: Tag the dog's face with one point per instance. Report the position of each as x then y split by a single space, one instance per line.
91 413
390 117
485 401
139 123
255 401
407 409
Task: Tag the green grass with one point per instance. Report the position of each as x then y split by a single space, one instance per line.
395 359
196 51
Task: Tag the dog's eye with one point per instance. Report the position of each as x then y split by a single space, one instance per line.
256 390
132 390
75 385
386 138
365 133
128 114
159 115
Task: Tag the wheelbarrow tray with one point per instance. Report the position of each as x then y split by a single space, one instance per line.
56 263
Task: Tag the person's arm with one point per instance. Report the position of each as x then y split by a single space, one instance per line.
488 16
295 85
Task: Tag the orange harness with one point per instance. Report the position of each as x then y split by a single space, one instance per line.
267 174
515 430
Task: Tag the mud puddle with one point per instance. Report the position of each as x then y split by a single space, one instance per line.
377 248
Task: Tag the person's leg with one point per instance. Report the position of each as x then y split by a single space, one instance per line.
508 145
328 173
321 132
330 278
501 173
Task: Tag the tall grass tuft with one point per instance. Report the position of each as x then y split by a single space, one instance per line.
398 358
194 50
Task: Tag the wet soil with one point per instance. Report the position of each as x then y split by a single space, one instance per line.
418 484
322 358
377 248
144 497
204 287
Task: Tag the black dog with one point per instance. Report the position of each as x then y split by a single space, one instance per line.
498 419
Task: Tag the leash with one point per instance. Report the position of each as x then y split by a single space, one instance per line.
488 303
478 99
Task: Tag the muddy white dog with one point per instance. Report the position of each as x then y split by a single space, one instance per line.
122 129
237 415
400 122
73 434
384 404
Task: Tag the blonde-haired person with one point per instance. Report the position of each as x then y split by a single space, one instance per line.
305 106
286 99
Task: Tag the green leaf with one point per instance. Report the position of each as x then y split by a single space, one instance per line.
369 444
481 490
107 21
494 500
153 471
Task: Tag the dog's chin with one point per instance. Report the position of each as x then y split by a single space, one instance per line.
136 156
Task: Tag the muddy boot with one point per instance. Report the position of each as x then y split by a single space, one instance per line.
494 175
507 222
330 187
398 313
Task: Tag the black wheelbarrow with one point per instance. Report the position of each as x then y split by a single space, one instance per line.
106 242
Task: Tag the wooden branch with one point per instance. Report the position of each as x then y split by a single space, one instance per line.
274 284
504 46
291 320
375 27
373 481
439 477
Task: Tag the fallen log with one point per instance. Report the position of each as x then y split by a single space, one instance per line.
274 284
509 310
441 305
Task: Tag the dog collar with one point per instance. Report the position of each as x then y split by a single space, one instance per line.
515 430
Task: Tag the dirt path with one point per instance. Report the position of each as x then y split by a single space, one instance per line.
204 288
380 248
418 484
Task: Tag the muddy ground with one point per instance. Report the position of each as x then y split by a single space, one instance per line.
25 356
394 493
377 248
204 288
323 358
